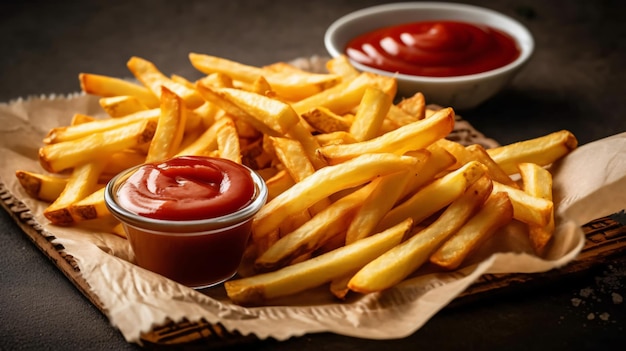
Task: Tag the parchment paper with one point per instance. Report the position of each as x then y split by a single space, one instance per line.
589 183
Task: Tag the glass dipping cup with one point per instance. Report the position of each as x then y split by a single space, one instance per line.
195 253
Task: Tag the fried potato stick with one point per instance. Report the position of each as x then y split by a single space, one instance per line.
537 181
413 136
170 127
41 186
325 182
105 86
316 271
527 208
543 151
434 196
399 262
494 214
60 156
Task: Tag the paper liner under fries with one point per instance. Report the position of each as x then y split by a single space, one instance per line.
588 183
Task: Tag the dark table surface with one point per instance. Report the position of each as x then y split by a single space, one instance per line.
574 81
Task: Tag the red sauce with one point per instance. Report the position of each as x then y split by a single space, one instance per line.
434 49
187 188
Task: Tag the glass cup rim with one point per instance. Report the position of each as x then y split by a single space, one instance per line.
183 226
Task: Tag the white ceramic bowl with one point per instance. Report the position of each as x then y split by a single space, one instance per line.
460 92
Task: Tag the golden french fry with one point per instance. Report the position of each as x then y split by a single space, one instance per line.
537 182
301 276
269 116
341 66
341 98
119 230
81 183
79 118
399 262
324 120
334 138
228 141
478 153
325 182
314 233
414 106
41 186
278 184
543 151
289 82
90 207
527 208
60 156
105 86
495 213
438 161
119 106
369 117
293 157
386 192
148 74
413 136
73 132
309 144
339 286
206 143
122 160
170 127
434 196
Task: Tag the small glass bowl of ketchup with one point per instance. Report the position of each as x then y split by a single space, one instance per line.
188 218
457 55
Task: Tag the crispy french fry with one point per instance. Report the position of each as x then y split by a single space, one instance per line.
478 153
434 196
324 120
342 67
41 186
527 208
339 286
372 110
334 138
90 207
543 151
386 192
60 156
341 98
399 262
495 213
73 132
316 271
289 82
119 106
314 233
105 86
413 136
415 106
148 74
325 182
80 118
81 183
228 141
170 127
278 184
538 182
122 160
269 116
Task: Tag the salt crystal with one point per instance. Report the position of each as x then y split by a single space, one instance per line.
586 292
605 316
617 298
576 302
591 316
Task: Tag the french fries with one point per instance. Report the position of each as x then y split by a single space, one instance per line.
363 191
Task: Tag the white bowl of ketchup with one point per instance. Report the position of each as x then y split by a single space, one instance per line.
457 55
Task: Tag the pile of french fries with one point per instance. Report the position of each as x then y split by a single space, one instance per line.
363 189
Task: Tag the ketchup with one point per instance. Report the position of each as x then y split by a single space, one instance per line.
434 49
187 188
